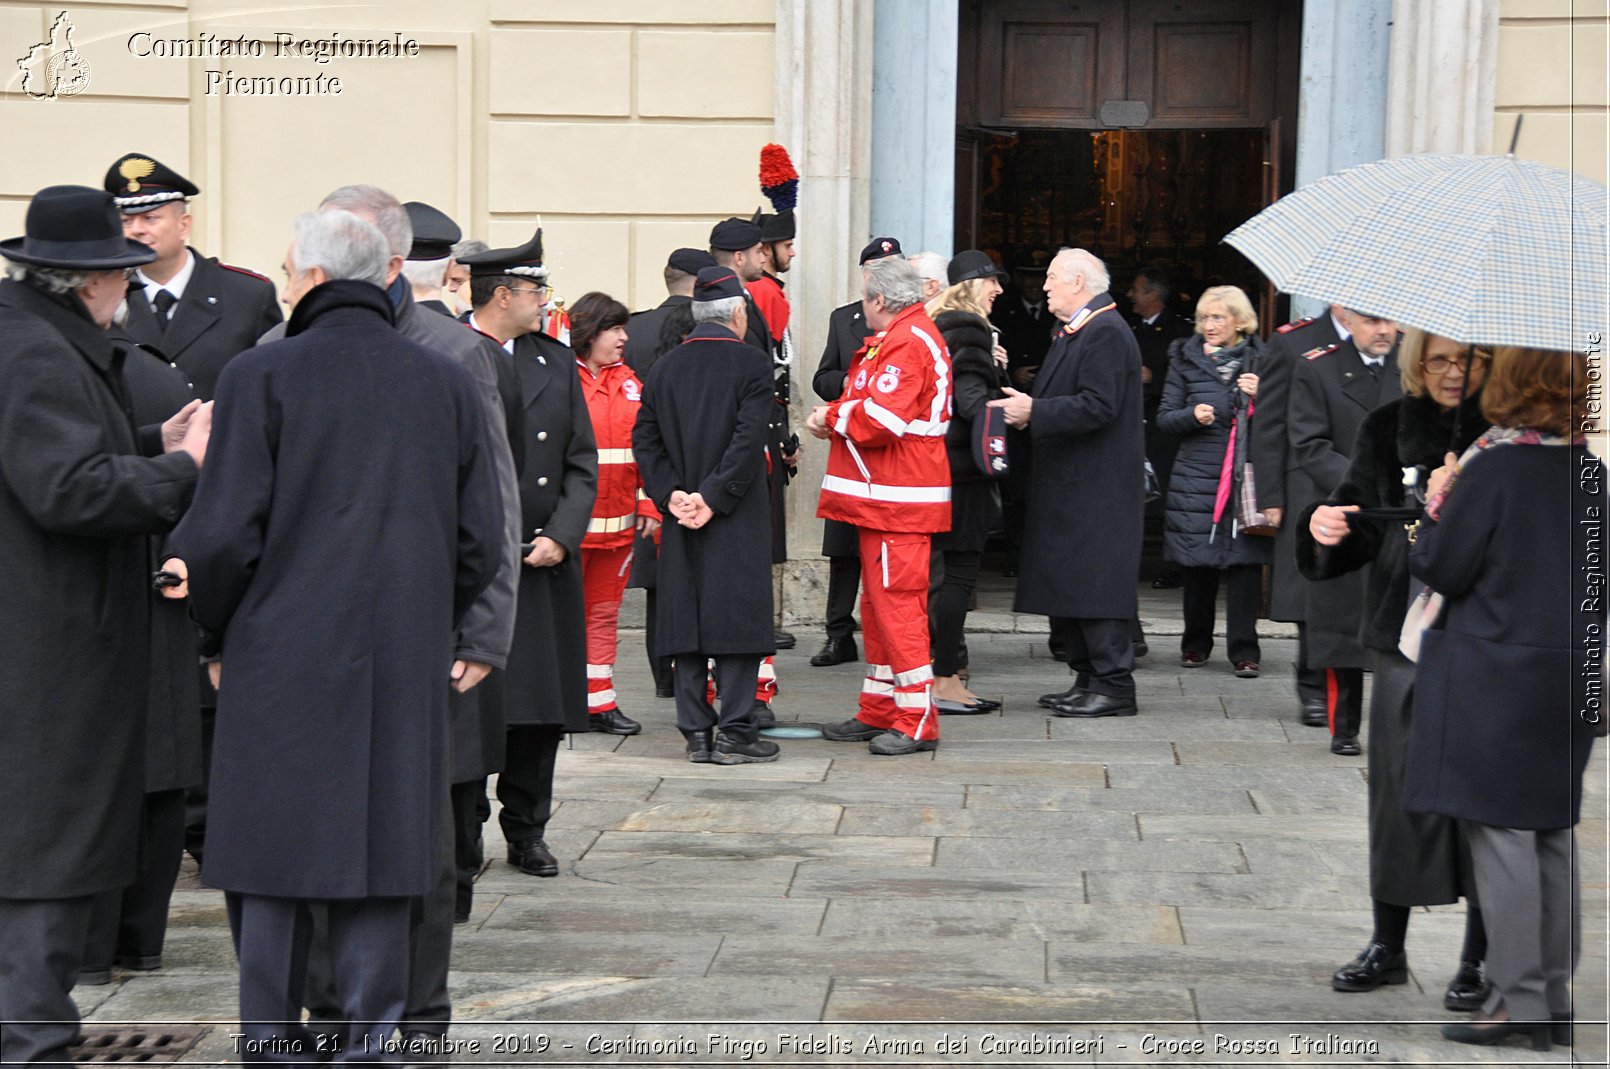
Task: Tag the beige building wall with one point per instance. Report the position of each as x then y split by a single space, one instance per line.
627 127
1552 59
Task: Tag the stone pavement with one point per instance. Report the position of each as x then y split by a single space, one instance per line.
1037 892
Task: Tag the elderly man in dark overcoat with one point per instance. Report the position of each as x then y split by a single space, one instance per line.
1082 535
78 495
700 444
545 684
331 559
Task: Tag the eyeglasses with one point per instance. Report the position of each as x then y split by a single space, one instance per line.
1439 364
1214 318
527 289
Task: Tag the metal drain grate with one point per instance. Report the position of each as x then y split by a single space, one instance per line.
134 1046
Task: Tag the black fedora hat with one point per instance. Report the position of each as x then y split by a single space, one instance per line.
75 228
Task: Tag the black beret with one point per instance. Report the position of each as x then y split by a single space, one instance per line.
734 235
435 233
525 260
690 261
879 248
140 183
972 264
717 284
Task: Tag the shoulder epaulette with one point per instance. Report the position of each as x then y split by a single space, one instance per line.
244 271
1289 327
1321 350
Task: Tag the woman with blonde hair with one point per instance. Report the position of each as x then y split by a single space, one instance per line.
1207 401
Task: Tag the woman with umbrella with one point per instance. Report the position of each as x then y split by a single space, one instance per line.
1416 859
1503 722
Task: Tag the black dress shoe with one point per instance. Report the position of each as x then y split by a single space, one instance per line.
1487 1033
614 722
1091 704
784 640
1374 966
730 751
1315 715
1468 990
836 651
1345 746
532 857
898 743
1062 697
699 743
851 730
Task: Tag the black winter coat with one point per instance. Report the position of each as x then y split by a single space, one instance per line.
702 428
1499 732
77 499
975 498
1190 538
334 557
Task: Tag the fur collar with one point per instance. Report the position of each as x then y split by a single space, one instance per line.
1426 430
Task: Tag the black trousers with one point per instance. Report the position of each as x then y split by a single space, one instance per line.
1243 598
1100 652
42 947
368 941
1344 700
129 926
843 583
525 786
470 811
736 676
659 666
1310 682
195 797
949 595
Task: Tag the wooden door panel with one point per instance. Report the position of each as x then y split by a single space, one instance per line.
1204 65
1045 63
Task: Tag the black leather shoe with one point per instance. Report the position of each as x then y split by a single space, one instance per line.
699 743
1487 1033
1468 990
1374 966
898 743
1345 746
836 651
1315 715
765 715
423 1049
730 751
614 722
1062 697
784 640
1091 704
947 707
851 730
532 857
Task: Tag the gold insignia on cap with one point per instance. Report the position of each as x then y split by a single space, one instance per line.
133 169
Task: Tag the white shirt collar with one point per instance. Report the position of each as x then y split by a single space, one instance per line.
174 285
508 346
1341 332
1149 320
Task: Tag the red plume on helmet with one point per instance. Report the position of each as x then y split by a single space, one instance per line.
778 179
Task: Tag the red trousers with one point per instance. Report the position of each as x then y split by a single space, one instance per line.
898 690
603 583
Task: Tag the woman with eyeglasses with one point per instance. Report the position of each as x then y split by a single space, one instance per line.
1208 401
1416 859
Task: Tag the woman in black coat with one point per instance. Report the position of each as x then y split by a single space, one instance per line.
1508 701
1212 379
1416 859
961 312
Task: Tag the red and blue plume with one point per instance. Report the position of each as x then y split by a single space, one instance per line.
778 179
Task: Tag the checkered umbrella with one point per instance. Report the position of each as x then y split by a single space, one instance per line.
1486 250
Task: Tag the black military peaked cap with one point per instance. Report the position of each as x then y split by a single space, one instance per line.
717 284
734 235
525 260
435 233
141 182
690 261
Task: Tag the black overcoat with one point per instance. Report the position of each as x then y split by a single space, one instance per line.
1499 736
847 331
1331 393
702 428
1270 450
546 680
1082 536
1190 538
77 499
223 311
976 380
332 557
643 348
158 389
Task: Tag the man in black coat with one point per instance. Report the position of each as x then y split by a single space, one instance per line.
80 488
430 254
1081 541
1332 390
1156 327
198 311
1270 453
330 763
698 443
847 332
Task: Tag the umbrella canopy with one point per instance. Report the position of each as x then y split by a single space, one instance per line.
1487 250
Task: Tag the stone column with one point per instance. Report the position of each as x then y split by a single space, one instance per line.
824 118
914 123
1444 73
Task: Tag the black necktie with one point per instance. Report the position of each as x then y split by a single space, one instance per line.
163 303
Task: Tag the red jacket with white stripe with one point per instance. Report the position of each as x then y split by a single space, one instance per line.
613 398
887 469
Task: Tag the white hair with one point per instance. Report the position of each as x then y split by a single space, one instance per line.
1079 262
379 208
56 281
932 265
344 245
720 311
426 274
893 279
470 247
